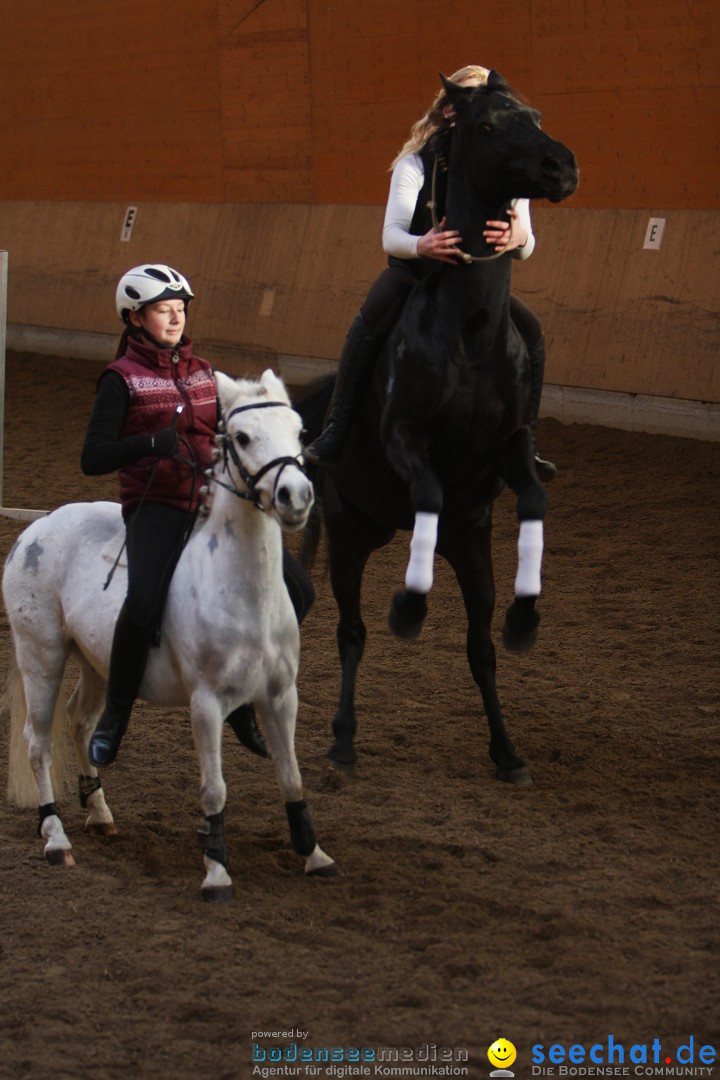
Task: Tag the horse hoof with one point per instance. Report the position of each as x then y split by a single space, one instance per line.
407 614
518 643
218 894
59 857
520 777
100 828
342 754
330 871
521 623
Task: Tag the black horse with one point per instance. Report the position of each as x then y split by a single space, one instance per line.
446 423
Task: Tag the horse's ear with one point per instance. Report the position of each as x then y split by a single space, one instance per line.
495 80
273 383
226 387
456 94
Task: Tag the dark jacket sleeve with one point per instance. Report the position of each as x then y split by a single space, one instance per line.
103 450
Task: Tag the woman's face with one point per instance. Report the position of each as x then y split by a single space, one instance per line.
164 320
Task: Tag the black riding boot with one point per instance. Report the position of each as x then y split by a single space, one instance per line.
128 657
545 469
353 377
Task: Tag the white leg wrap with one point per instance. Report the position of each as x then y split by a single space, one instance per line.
419 574
530 549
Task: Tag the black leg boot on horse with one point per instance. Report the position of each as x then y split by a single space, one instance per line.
355 370
545 469
128 659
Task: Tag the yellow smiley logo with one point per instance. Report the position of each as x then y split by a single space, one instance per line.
502 1053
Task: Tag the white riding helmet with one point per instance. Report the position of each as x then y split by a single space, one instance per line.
147 284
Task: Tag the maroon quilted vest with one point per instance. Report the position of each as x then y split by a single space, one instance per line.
159 380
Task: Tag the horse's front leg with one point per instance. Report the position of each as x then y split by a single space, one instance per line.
515 463
279 713
207 724
468 550
407 453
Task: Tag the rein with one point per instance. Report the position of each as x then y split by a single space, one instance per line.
252 494
251 480
432 206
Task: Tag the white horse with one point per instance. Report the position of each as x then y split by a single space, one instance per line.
229 631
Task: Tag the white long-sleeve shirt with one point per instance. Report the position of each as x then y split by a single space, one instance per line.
405 185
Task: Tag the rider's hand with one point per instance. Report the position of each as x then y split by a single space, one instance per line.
164 443
441 244
506 235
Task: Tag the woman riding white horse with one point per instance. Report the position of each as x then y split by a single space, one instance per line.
155 420
230 635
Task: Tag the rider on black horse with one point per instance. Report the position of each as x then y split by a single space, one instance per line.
414 237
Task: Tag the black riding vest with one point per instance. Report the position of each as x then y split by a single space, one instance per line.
422 220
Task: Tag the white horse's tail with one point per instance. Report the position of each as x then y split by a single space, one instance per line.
21 786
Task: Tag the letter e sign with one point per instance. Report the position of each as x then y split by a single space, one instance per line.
654 233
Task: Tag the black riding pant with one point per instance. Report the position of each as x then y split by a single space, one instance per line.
390 290
156 535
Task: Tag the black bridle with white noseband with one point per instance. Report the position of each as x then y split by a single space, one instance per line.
251 480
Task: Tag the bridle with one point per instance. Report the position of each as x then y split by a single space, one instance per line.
229 450
432 206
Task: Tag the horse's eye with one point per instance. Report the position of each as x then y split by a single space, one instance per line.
242 439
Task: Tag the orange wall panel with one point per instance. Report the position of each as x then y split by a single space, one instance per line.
105 101
266 116
308 100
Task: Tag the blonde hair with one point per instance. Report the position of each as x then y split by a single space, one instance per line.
434 118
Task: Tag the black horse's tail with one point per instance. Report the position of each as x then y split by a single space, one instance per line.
312 404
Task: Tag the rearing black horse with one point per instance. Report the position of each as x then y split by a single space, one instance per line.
446 422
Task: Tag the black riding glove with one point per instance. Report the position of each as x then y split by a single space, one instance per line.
164 443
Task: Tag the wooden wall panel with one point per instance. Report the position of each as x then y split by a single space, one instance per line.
269 279
286 280
619 317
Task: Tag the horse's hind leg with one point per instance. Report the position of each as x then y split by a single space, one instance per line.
516 465
40 689
279 724
468 550
83 709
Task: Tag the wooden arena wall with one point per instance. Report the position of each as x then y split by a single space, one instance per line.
254 137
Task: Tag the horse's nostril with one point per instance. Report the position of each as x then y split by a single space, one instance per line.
283 496
551 166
